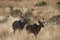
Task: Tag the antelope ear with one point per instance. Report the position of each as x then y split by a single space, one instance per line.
19 20
43 20
39 21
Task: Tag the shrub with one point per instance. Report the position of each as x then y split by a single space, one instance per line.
55 19
58 3
43 3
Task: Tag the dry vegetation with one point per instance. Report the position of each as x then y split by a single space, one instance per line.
51 31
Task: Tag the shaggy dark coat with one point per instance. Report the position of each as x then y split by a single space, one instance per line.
18 25
35 28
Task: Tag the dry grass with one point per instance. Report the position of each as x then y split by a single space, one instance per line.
49 32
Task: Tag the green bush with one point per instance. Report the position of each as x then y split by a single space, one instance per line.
55 19
58 3
43 3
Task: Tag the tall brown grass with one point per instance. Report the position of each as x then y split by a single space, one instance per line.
49 32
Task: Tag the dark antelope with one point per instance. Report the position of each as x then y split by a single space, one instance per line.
35 28
18 25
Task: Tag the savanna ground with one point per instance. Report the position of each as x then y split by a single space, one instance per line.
51 14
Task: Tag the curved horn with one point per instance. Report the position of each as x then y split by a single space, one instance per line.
43 20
